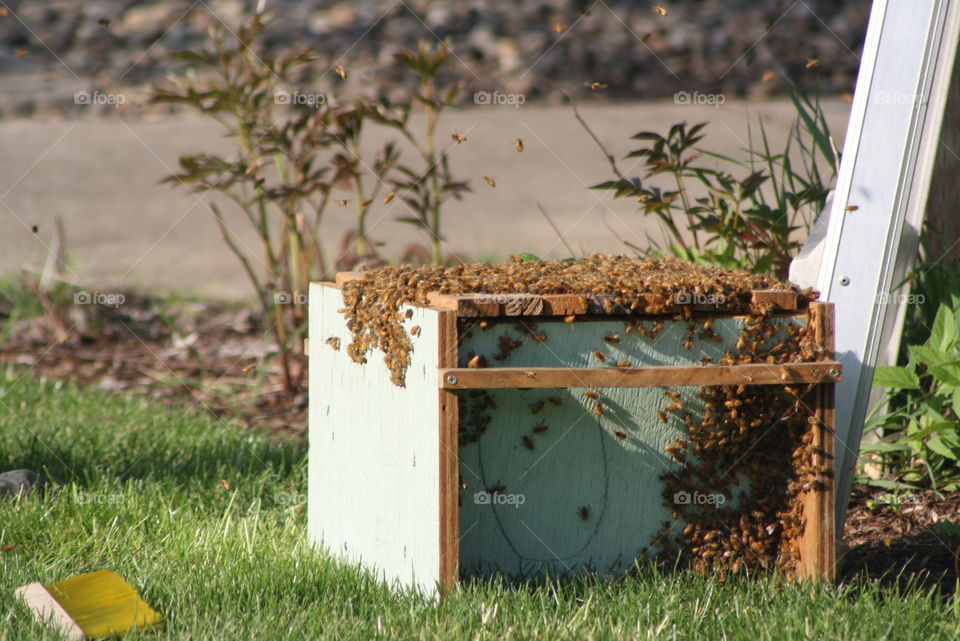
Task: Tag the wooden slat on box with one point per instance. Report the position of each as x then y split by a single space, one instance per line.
474 305
781 300
449 530
665 376
818 545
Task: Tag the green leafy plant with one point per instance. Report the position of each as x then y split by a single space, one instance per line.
271 174
425 190
920 432
713 217
277 177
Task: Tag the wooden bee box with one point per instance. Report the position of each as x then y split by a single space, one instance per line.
554 456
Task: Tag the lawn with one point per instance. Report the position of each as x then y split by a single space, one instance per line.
208 520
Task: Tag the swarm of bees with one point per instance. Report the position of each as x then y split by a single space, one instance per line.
624 285
742 443
750 444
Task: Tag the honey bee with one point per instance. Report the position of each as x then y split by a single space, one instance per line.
620 434
598 409
768 76
388 197
21 52
628 329
613 339
584 512
536 408
366 202
408 313
333 342
343 202
476 362
556 401
812 64
623 364
599 356
499 488
415 330
490 181
851 208
519 145
527 442
595 86
4 12
484 324
706 360
541 337
540 428
458 138
591 394
507 345
341 71
253 366
662 417
569 319
661 11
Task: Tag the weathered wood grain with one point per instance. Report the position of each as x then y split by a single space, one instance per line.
818 546
548 377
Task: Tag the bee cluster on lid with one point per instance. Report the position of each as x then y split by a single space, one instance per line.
617 285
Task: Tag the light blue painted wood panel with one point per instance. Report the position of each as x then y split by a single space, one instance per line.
373 468
523 510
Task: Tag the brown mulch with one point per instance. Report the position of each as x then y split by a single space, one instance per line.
898 539
216 357
198 353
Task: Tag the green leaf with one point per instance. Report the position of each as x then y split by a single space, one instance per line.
890 485
530 258
948 373
937 444
943 334
896 377
926 355
947 527
885 447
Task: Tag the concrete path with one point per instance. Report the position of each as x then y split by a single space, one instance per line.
122 228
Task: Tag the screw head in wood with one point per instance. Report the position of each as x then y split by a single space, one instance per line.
452 379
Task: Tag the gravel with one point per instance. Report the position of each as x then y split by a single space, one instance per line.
543 49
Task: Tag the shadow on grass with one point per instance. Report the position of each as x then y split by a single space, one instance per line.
191 447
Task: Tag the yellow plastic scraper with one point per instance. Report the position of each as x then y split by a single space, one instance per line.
90 606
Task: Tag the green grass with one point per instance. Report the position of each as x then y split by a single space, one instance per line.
136 488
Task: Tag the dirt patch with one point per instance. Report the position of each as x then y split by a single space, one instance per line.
215 357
